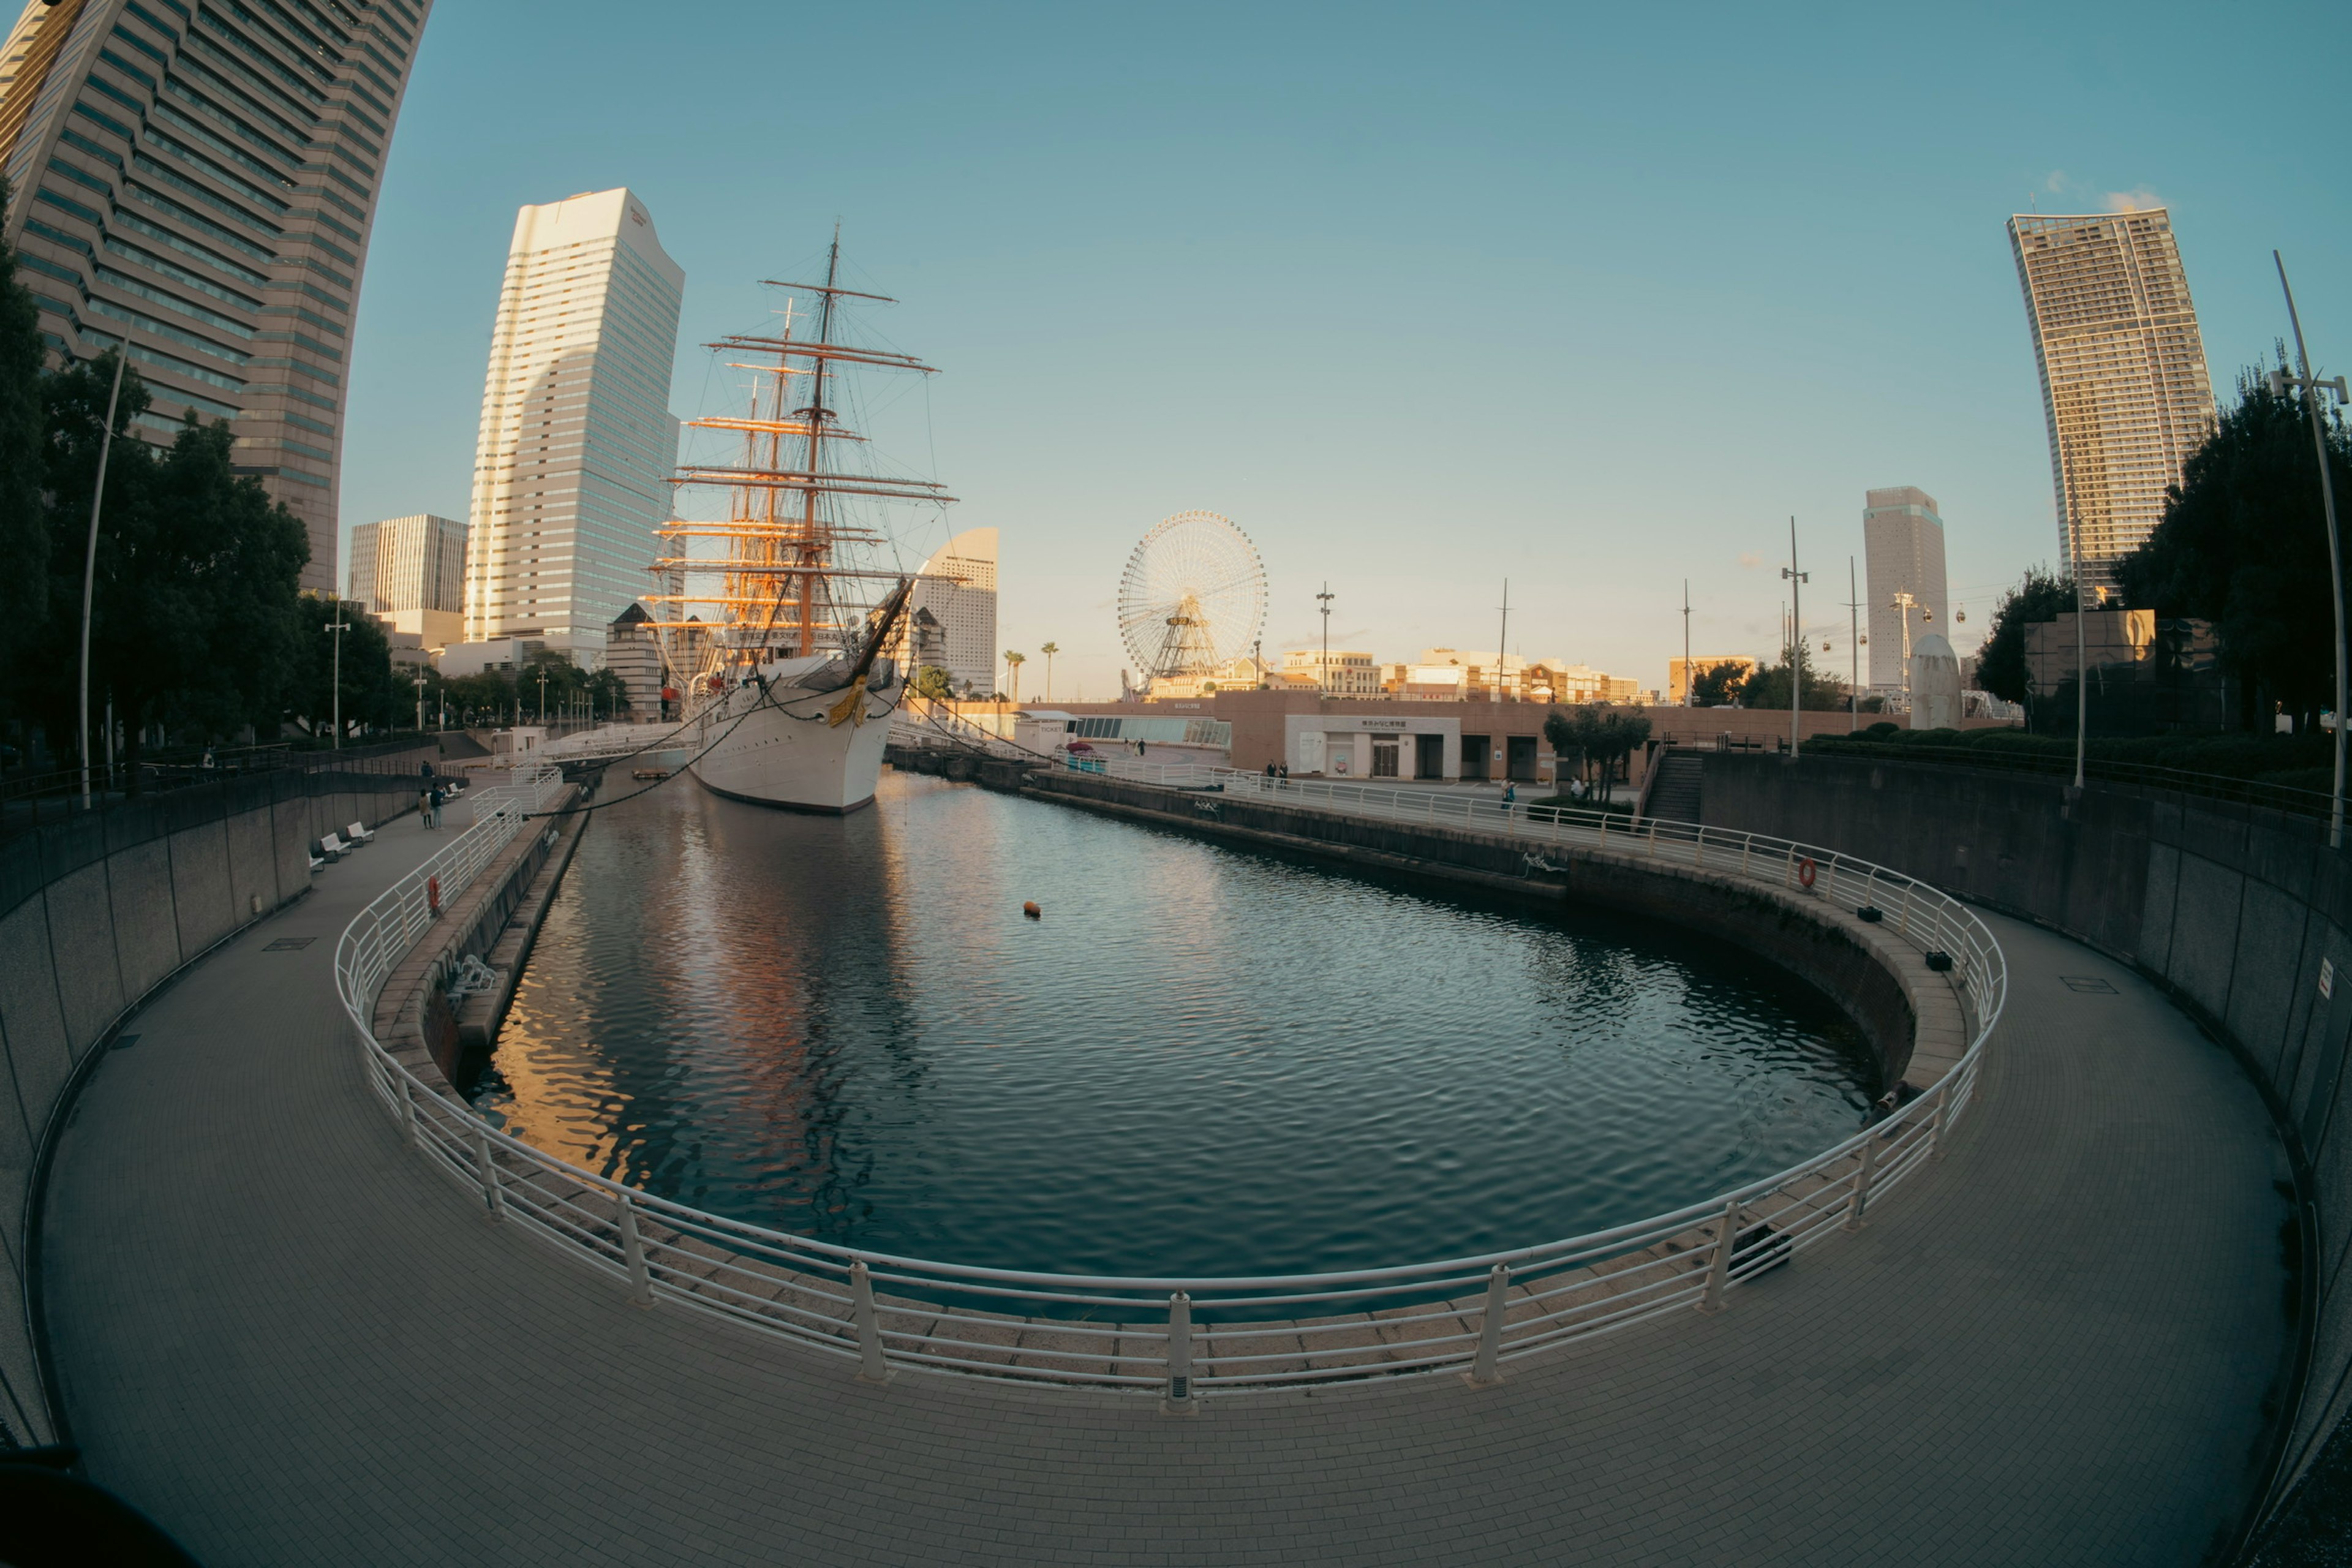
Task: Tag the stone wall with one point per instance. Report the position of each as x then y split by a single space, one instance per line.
2240 912
96 912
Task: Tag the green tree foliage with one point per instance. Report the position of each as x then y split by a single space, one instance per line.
934 683
1718 685
2001 662
24 530
1595 737
1768 687
485 697
2243 544
364 671
194 619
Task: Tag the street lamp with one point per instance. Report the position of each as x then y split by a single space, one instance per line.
2303 382
336 630
1323 674
89 564
543 698
1796 636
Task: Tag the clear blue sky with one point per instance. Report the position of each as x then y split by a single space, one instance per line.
1421 297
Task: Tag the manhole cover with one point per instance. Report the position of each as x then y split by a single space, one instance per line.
290 943
2088 982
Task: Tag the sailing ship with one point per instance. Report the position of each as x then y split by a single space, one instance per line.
788 685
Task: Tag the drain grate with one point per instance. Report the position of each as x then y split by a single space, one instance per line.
290 943
2088 982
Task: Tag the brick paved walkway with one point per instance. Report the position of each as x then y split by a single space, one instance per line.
291 1343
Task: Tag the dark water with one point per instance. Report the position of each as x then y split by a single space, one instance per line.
1200 1061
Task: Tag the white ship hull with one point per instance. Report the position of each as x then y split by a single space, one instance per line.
780 747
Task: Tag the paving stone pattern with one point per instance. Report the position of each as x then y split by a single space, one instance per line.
289 1340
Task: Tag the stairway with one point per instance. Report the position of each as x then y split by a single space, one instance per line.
1675 797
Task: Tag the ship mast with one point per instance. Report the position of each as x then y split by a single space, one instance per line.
783 592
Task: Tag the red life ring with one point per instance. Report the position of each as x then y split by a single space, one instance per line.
1805 870
433 893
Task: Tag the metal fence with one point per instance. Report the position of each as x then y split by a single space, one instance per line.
1179 1338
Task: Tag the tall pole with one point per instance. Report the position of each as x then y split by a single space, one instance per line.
1796 638
90 562
1503 640
1323 675
1686 669
2082 677
1854 647
336 631
2334 551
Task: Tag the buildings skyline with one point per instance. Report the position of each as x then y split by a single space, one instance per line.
576 443
2125 388
1903 555
957 589
198 186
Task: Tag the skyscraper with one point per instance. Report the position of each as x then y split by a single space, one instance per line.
1903 547
412 571
572 472
964 611
2122 374
200 181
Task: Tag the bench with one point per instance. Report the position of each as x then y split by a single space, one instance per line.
358 834
333 848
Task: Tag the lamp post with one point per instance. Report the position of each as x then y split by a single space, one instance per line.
1795 636
90 561
336 630
2311 389
543 698
1854 631
1686 669
1323 671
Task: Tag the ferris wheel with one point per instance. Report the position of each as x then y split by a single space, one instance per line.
1193 597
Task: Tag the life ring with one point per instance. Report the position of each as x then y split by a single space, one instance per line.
433 894
1805 870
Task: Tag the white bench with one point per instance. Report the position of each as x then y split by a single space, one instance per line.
317 865
333 848
358 834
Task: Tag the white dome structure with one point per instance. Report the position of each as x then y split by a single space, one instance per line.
1934 684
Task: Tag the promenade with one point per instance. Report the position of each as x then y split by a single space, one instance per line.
283 1336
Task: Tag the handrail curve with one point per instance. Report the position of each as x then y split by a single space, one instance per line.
1181 1337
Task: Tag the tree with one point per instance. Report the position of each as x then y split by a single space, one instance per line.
1013 663
1049 650
1591 736
1768 687
2001 662
365 670
934 683
1718 685
607 693
2243 544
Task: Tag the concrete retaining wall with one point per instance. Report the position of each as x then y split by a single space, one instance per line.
95 912
2240 912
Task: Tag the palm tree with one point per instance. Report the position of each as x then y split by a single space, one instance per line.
1049 650
1014 661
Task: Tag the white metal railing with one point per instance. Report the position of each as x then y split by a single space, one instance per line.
1178 1337
531 786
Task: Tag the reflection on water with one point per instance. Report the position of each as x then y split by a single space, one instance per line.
1200 1061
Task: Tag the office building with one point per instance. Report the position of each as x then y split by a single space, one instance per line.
2124 383
633 652
957 589
1903 548
1343 672
1679 675
572 470
198 183
411 573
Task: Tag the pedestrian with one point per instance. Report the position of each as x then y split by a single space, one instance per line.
1285 775
435 819
425 806
1510 797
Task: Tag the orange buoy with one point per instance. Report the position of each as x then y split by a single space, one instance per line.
1032 911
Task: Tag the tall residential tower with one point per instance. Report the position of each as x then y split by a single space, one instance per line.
2122 374
1903 545
572 472
199 178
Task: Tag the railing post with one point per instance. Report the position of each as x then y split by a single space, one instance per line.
1904 925
1485 1370
1862 1174
1653 835
1747 843
1698 847
492 1194
408 1112
1943 1092
1718 1267
1180 1400
632 1255
872 1366
1789 871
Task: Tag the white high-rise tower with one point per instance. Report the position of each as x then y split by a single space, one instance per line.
1903 543
572 472
2122 374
